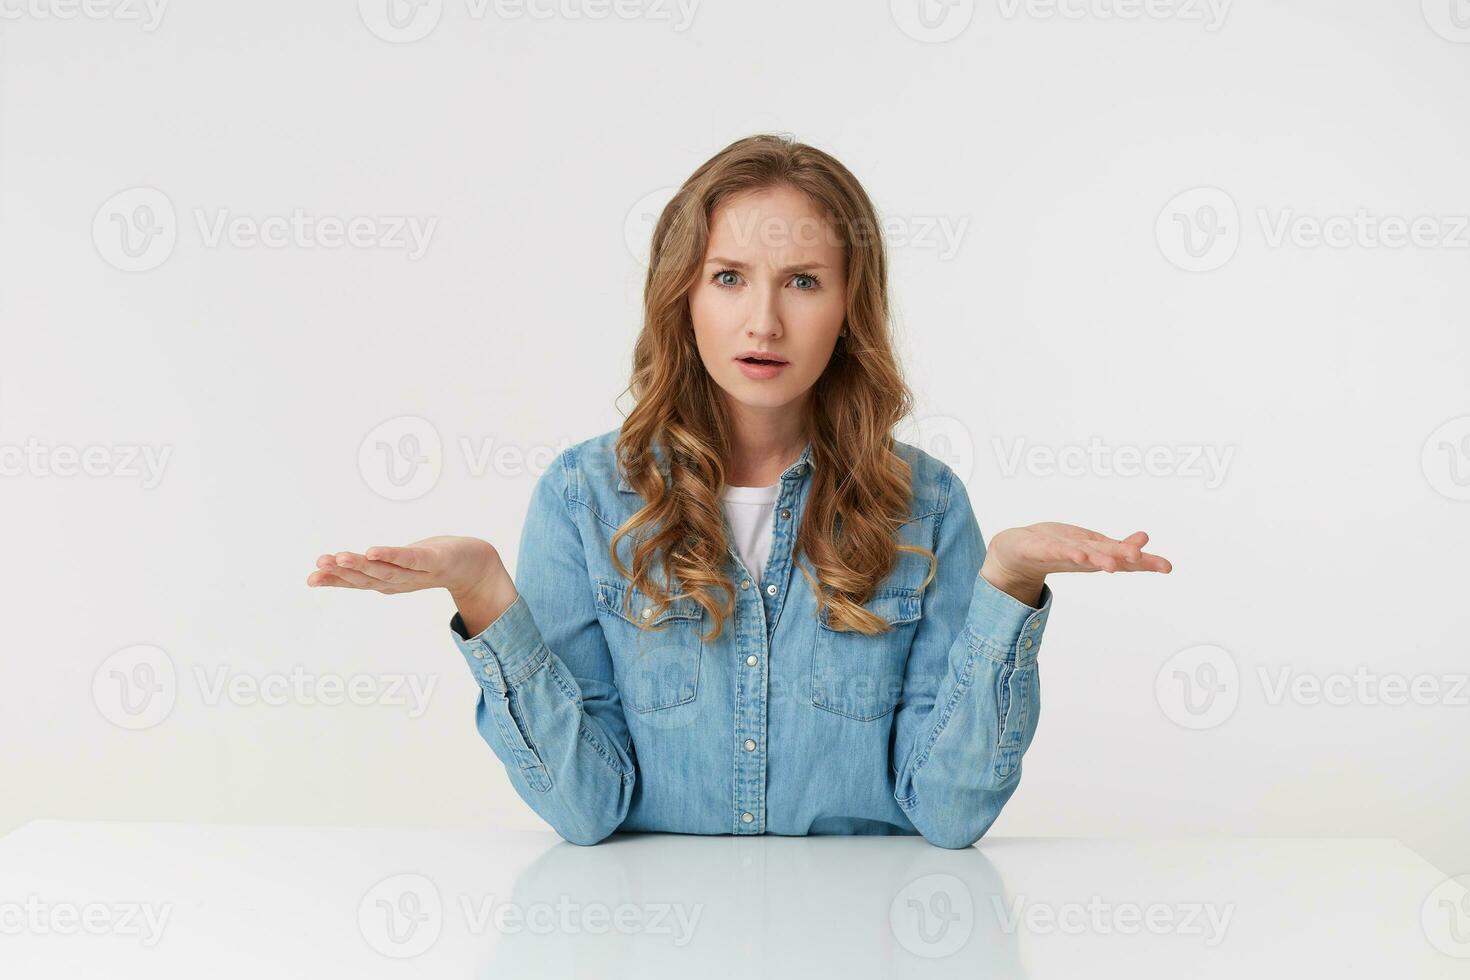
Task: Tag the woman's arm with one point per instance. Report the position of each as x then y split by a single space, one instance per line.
971 694
548 705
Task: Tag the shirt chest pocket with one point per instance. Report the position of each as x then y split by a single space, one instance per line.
655 654
862 676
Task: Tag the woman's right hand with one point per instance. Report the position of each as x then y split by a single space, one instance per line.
468 568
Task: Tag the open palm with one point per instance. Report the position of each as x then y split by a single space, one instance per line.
1033 552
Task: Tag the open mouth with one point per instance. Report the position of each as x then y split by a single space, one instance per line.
753 359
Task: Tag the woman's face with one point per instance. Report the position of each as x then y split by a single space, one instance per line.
773 280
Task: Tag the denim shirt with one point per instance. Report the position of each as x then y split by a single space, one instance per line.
782 724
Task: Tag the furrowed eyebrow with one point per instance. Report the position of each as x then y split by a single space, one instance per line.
745 266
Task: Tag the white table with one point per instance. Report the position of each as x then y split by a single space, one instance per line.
81 899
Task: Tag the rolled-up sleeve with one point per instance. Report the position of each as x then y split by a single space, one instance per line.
971 694
548 706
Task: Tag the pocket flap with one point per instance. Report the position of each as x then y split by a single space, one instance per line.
894 605
641 607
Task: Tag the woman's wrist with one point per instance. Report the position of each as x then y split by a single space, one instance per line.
483 602
1022 589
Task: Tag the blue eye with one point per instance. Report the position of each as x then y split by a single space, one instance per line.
719 280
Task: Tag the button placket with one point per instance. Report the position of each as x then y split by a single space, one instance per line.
779 567
755 627
750 700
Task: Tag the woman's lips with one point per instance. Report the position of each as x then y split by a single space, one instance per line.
758 371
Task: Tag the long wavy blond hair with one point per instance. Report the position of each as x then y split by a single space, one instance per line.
860 486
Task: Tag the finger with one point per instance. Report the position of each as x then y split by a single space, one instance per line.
351 561
362 582
1155 563
1101 557
1145 562
1134 558
413 559
356 579
380 570
1125 555
321 577
1131 552
1137 539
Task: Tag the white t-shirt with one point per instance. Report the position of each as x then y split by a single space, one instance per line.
749 511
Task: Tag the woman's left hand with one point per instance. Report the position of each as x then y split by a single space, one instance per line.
1020 558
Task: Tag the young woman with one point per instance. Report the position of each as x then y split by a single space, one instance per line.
657 664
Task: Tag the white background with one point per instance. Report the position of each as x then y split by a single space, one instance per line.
1053 149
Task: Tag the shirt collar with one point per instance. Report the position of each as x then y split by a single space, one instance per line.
795 469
